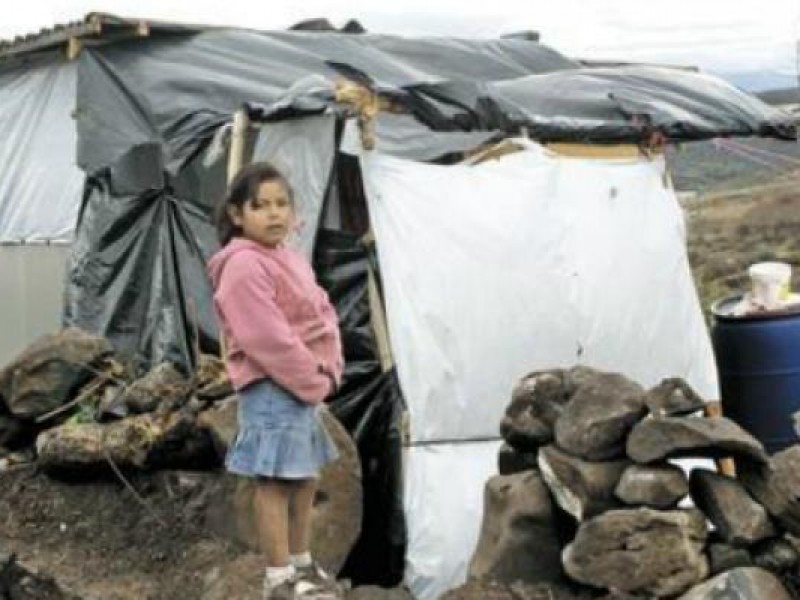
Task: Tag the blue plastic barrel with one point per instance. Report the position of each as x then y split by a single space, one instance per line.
758 362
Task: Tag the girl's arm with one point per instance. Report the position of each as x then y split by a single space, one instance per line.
246 298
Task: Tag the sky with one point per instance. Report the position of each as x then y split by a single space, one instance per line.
754 43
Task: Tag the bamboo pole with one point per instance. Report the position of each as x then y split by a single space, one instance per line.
241 123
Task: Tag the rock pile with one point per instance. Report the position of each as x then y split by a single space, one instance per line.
586 494
68 403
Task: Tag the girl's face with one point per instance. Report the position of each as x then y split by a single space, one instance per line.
267 218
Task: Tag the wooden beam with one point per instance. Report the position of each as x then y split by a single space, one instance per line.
725 466
241 122
74 47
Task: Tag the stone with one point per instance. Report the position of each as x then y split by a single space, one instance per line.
47 373
656 486
211 379
641 551
582 488
493 590
519 538
776 486
373 592
221 422
737 518
744 583
536 403
671 437
599 415
777 555
673 397
162 386
19 582
142 441
510 461
722 557
337 506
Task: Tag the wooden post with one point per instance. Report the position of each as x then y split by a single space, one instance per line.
238 140
377 317
74 47
241 123
725 466
377 313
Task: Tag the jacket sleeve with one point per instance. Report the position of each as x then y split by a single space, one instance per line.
246 299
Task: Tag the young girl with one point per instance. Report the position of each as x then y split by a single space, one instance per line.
284 358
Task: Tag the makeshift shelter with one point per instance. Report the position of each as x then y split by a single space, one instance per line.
542 256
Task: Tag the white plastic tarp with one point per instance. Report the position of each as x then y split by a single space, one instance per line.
302 150
443 499
40 184
532 261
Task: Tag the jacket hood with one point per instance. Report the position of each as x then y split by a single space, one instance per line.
223 255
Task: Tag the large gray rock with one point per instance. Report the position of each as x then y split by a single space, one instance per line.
723 557
162 386
641 551
656 486
670 437
536 403
582 488
744 583
738 519
494 590
510 461
776 486
778 555
337 507
519 539
50 371
599 415
673 397
141 441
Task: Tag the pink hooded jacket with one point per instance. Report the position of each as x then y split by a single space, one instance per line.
277 322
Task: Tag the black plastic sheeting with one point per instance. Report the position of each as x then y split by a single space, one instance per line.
370 405
622 104
137 274
170 90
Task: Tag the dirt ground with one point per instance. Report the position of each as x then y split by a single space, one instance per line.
99 541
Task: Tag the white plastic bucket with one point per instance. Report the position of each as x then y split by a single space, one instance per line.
771 281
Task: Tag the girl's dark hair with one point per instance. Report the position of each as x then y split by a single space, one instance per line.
244 188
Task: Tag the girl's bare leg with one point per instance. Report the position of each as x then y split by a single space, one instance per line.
300 505
271 502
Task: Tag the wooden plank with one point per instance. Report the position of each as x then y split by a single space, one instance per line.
725 466
611 151
74 47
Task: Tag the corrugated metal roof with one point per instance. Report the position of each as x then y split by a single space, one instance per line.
93 29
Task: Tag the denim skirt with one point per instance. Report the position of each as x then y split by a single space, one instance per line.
279 435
